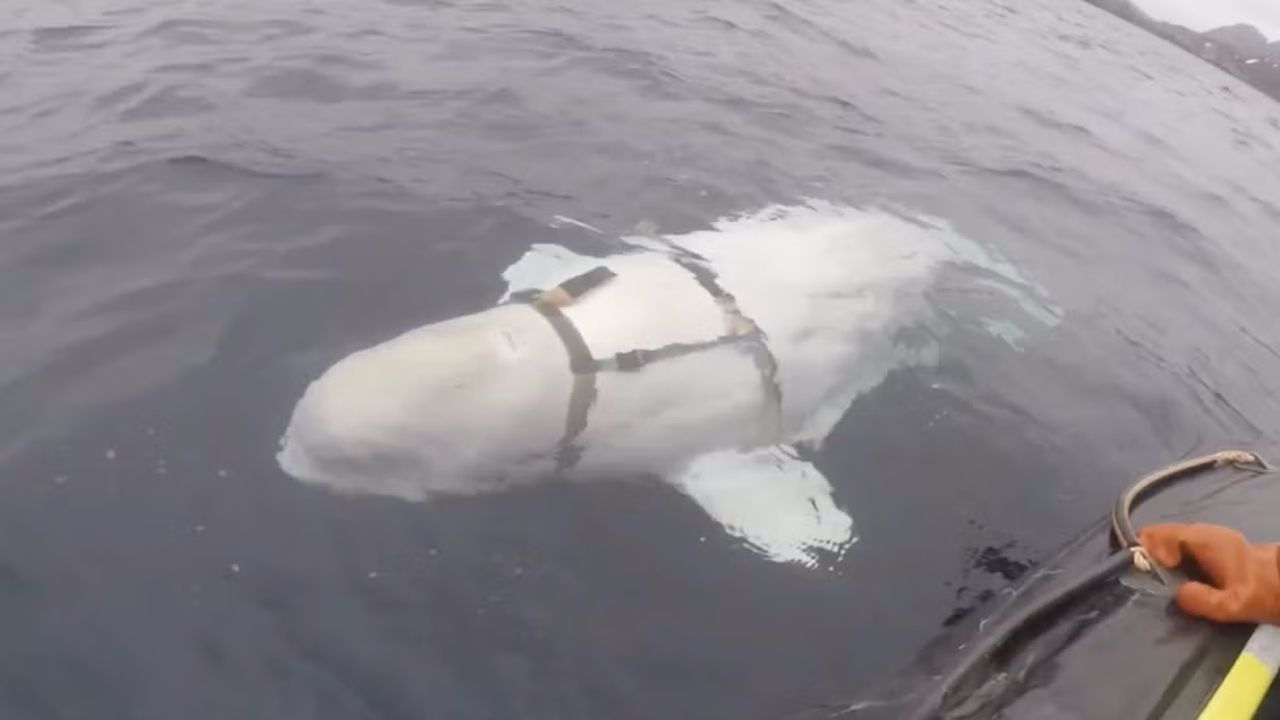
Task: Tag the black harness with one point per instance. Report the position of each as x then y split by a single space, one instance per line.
740 330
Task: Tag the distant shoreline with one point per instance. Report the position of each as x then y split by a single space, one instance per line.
1241 50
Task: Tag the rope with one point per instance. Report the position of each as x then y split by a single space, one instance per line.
1121 524
1141 560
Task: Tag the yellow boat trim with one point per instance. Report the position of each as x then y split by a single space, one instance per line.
1246 683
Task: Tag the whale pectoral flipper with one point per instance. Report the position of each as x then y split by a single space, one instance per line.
779 504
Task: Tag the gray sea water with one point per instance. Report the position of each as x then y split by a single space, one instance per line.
202 205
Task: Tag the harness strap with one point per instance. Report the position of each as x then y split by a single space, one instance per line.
633 360
581 364
584 366
737 324
583 394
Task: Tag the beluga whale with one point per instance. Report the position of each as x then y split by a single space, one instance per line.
717 361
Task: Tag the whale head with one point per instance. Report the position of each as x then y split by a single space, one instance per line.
473 399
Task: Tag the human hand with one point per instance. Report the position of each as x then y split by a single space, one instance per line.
1244 578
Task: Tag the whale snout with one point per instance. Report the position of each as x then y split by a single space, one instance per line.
344 433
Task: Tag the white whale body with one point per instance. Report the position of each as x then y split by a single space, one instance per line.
719 360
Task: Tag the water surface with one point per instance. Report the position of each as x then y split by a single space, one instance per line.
202 207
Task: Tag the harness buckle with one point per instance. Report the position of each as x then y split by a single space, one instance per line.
632 360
